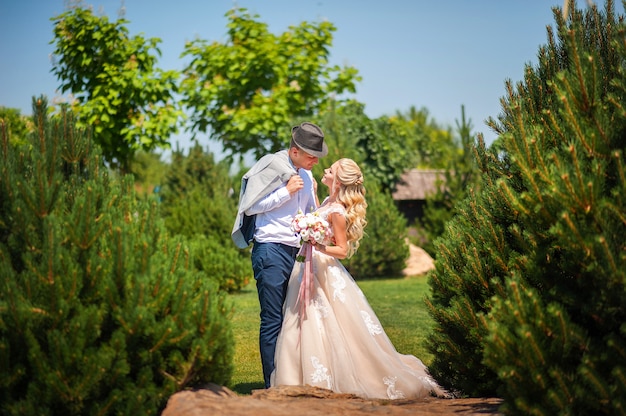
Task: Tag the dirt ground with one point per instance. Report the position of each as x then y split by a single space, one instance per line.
313 401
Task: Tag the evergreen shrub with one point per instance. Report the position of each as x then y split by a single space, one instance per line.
384 250
198 202
100 312
530 284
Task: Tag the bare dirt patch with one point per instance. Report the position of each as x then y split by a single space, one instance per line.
313 401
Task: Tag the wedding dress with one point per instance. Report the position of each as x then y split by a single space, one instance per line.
338 343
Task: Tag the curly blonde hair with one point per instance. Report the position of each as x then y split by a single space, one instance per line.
352 196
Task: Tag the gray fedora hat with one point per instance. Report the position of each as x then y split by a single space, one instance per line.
310 138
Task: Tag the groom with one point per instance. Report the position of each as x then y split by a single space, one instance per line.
272 192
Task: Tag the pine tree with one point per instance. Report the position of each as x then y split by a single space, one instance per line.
100 312
350 133
529 290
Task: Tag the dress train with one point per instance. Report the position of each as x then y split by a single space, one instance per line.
340 344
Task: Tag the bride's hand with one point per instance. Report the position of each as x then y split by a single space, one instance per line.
319 247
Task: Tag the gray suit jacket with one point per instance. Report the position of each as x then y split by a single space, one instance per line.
264 177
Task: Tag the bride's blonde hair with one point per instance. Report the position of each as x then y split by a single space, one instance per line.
351 195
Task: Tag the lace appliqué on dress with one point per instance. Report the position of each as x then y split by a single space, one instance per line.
320 373
392 393
320 308
338 283
373 328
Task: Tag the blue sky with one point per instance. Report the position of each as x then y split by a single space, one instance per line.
436 54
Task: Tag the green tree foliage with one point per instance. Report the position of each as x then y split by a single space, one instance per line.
530 279
459 179
198 202
246 90
432 145
349 133
149 172
127 101
387 147
16 124
100 312
377 144
385 150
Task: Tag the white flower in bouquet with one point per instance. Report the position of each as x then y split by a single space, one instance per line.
310 227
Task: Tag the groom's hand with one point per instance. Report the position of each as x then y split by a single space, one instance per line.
295 184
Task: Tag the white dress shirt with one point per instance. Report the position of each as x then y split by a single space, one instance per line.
275 211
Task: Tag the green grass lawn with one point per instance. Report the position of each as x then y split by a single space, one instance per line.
399 304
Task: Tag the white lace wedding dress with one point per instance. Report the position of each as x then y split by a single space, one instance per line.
341 345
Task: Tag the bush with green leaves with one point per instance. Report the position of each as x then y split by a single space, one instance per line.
530 286
100 312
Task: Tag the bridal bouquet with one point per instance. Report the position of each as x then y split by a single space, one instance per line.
310 227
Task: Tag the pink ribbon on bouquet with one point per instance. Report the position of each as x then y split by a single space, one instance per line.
306 284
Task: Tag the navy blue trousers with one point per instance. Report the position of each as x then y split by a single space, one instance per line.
272 264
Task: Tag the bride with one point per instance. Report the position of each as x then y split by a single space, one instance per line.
330 336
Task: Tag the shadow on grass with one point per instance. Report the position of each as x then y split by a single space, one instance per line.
246 388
